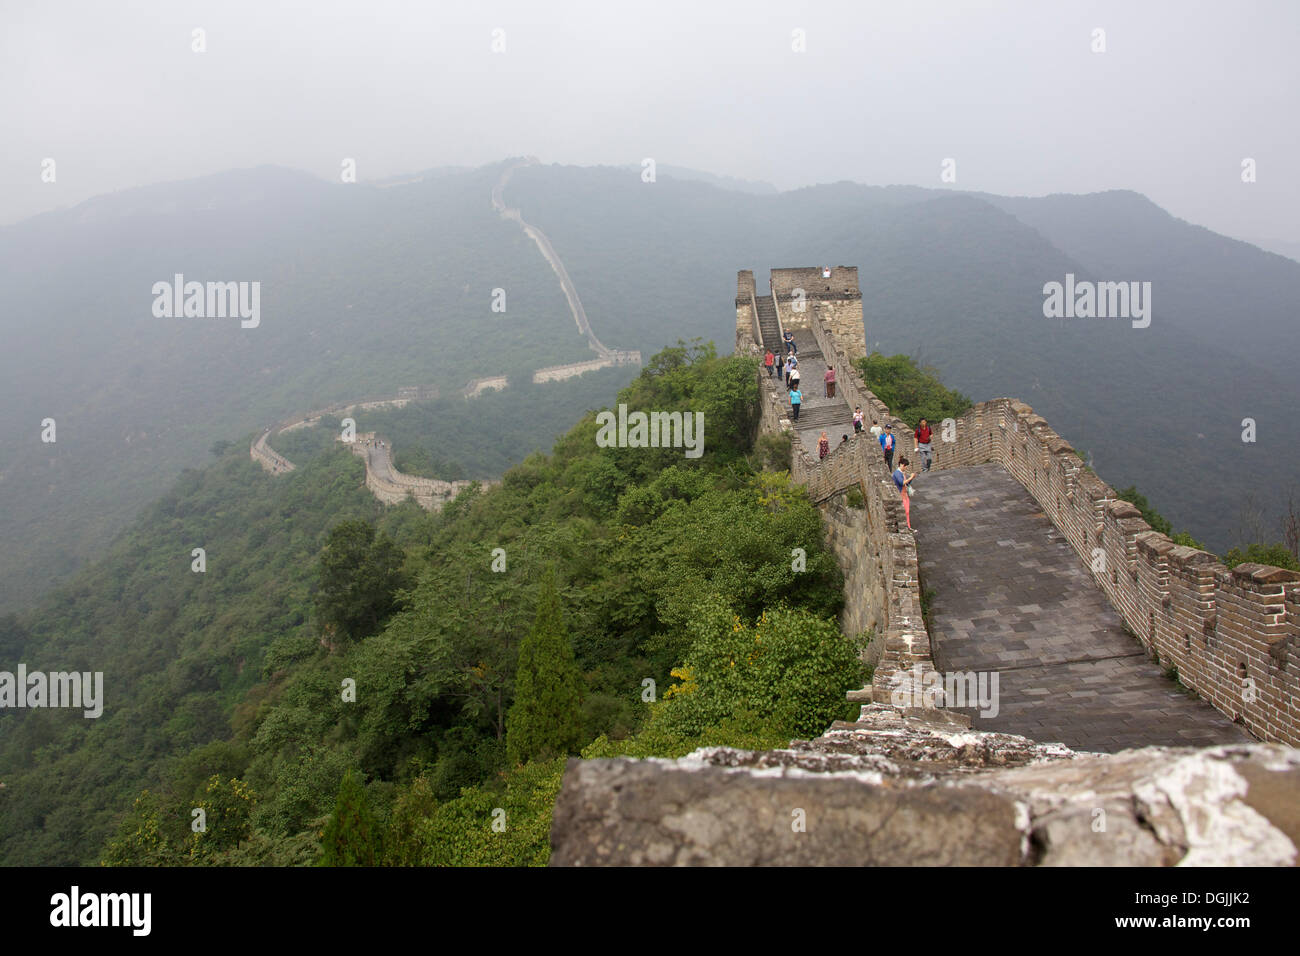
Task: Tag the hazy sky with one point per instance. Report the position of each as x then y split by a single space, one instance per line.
115 94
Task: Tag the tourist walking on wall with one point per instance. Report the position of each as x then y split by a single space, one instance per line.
903 482
789 367
876 429
923 446
830 381
887 445
796 397
789 342
794 377
857 420
769 360
823 447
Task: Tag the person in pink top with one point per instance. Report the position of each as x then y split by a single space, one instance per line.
830 382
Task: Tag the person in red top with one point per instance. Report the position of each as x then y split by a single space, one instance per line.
769 361
923 446
830 382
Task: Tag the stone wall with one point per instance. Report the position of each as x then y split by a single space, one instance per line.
843 281
748 338
555 373
875 550
900 787
834 303
1234 635
477 386
266 456
394 487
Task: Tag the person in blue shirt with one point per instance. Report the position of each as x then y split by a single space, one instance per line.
796 397
903 482
789 342
887 445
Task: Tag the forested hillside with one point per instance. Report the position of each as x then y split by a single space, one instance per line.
363 290
366 289
353 683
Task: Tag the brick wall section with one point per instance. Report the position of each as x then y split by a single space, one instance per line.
1234 635
873 546
748 339
266 456
394 488
835 303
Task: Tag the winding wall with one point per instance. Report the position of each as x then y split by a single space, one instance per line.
384 481
607 357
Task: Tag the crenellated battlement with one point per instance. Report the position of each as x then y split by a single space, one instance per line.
1233 634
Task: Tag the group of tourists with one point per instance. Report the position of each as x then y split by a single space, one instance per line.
903 475
787 368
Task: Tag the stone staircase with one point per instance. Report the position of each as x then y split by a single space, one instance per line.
768 325
818 413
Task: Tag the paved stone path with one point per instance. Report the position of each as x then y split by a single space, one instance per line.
818 413
1012 596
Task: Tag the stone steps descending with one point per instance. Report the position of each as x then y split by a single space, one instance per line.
768 326
818 413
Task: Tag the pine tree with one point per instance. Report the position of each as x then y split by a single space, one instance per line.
545 719
352 836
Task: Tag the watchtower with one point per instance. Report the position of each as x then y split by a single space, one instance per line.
796 296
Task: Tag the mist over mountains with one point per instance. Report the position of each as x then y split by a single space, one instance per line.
367 288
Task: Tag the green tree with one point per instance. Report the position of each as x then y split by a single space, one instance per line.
1275 554
360 575
227 806
352 836
787 674
910 391
147 836
546 718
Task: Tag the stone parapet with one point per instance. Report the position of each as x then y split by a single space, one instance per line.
1233 635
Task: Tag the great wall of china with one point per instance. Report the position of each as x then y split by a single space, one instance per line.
1233 634
606 357
382 478
1047 579
384 481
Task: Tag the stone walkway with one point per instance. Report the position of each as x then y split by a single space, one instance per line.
818 413
1012 596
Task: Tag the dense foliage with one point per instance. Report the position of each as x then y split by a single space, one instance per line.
312 734
546 718
369 288
910 391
